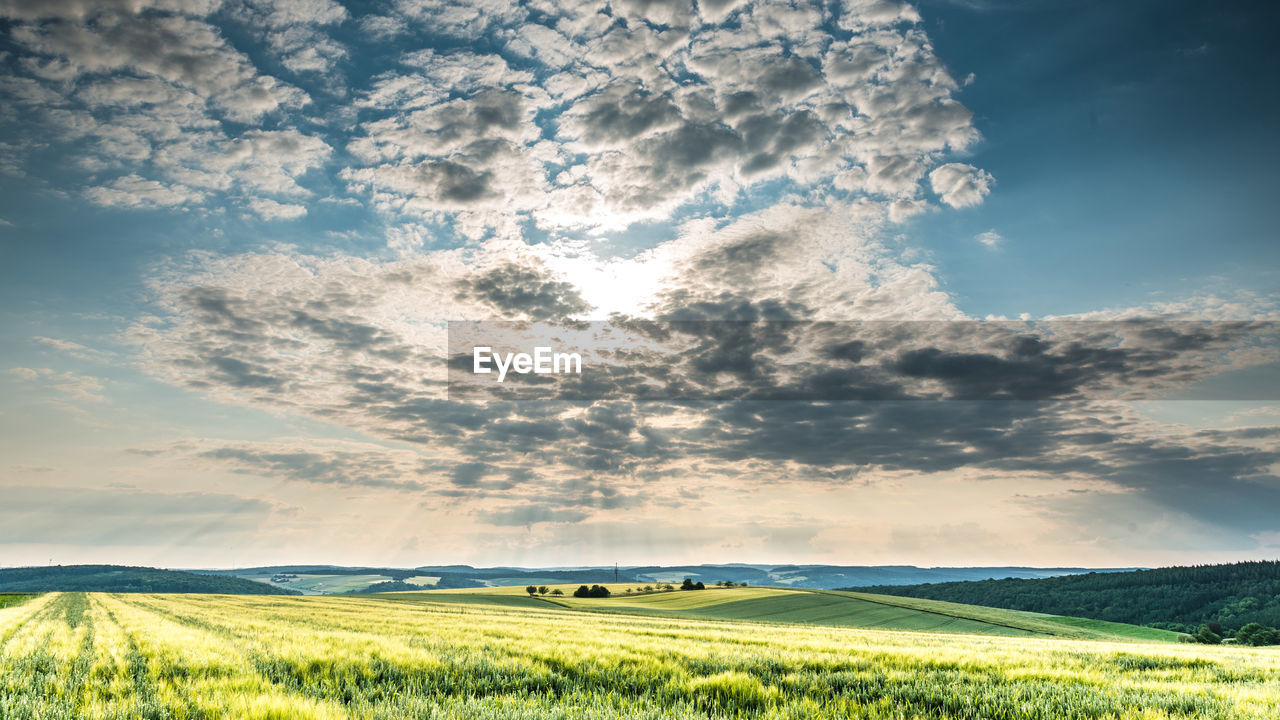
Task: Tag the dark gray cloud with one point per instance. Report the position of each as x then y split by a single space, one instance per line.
739 388
454 182
513 291
621 112
529 515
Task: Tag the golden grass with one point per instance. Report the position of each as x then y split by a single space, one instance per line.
205 656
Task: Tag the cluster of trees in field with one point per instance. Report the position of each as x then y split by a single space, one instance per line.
1185 599
1254 634
602 591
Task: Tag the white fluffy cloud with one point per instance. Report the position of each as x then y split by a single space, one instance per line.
185 51
990 239
269 209
154 94
960 185
137 192
294 30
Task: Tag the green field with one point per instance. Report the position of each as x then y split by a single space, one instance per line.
7 599
424 580
320 584
504 655
828 607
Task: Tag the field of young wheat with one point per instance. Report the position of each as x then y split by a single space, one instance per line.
73 655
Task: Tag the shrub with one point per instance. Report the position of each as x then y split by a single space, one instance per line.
1257 634
1207 636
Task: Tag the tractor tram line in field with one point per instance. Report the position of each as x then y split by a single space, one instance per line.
180 657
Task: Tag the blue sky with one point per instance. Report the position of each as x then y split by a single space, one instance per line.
232 234
1133 147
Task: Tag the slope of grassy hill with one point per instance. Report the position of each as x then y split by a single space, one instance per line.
1176 598
120 578
812 607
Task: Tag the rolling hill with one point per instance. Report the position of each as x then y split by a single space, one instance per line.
120 578
808 607
1176 598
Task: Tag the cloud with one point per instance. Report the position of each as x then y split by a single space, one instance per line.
23 373
292 29
160 100
269 209
284 13
181 50
990 239
85 9
383 27
353 465
960 185
573 119
530 514
133 191
100 517
655 119
82 388
514 290
738 370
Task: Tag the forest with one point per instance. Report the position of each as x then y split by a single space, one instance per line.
1185 599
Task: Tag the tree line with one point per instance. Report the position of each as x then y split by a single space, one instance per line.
1228 597
600 591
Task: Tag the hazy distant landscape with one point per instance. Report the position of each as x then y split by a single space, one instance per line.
312 579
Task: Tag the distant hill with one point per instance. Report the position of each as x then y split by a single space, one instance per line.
331 579
830 577
120 578
1174 598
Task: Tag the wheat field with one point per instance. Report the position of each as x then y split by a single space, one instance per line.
74 655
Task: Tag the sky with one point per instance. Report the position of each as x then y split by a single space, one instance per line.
964 282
